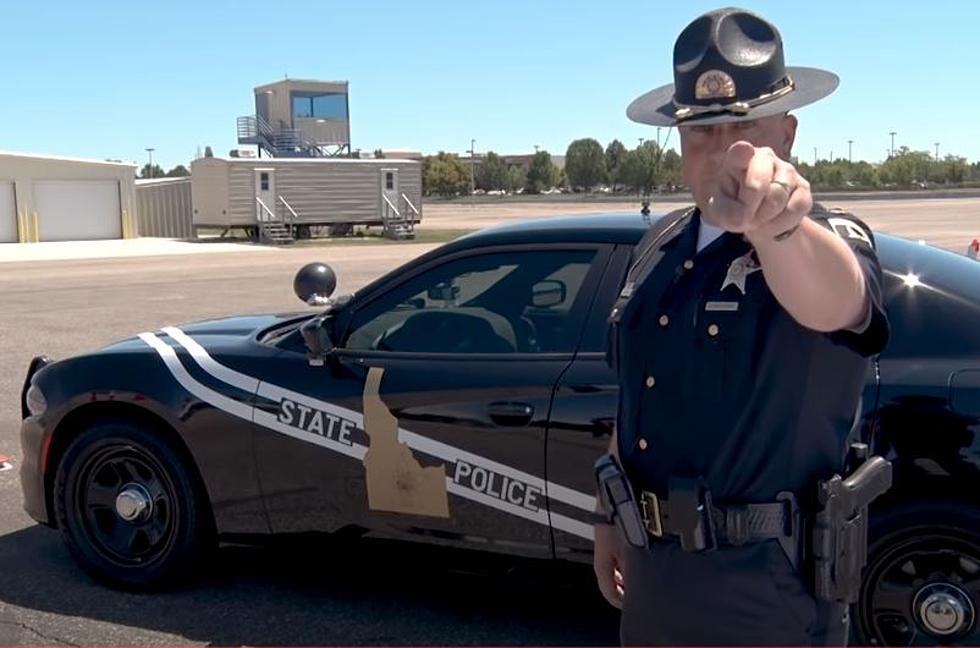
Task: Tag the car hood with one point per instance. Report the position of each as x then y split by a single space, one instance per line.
221 333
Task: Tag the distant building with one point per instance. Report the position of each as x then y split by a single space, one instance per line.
299 118
395 154
49 198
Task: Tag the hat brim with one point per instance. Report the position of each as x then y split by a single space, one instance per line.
810 85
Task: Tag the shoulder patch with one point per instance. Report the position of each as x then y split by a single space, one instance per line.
846 228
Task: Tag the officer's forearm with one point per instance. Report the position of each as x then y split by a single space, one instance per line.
815 276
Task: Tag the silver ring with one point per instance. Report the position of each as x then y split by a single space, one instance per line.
785 185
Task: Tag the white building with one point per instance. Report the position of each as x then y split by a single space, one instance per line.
48 198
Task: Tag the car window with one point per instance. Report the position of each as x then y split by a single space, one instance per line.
513 302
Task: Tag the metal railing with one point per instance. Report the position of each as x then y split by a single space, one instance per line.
278 141
291 210
391 206
410 205
265 208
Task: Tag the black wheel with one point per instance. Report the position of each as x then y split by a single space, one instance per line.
922 583
129 507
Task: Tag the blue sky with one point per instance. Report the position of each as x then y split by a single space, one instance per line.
106 79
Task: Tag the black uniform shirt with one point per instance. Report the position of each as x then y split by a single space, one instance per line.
727 386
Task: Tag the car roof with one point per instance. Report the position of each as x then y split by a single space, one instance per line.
607 227
897 253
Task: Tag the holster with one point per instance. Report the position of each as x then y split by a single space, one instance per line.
839 540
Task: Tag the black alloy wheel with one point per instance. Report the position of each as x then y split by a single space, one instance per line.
129 508
922 583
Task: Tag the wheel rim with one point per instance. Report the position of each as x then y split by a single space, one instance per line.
126 502
923 590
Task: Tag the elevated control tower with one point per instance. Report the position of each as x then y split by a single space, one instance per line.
299 118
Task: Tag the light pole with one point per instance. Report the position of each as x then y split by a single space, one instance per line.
831 157
892 133
849 143
814 156
150 165
937 151
472 171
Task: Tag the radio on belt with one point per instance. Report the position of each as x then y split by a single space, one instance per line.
617 500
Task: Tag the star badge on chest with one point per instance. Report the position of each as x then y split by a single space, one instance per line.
739 270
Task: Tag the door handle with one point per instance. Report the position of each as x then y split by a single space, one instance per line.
511 414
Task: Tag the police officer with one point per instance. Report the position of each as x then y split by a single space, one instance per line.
742 341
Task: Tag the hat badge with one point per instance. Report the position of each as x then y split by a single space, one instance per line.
714 84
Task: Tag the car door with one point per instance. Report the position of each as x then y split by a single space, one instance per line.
442 384
583 414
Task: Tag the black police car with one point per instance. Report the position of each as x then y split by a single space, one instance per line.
462 399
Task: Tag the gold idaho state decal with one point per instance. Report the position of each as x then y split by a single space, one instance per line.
396 481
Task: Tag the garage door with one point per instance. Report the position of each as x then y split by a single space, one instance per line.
8 213
77 210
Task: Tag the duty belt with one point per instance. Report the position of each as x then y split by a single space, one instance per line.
700 526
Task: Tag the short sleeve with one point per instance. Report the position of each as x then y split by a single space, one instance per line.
870 337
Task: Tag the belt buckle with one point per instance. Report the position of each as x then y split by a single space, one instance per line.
652 513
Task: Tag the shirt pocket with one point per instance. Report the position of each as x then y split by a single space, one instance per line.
733 332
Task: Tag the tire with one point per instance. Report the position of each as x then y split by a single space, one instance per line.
918 551
170 527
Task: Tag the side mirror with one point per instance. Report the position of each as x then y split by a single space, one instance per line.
548 293
314 283
319 342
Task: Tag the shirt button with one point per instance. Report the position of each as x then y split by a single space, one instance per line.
650 382
713 330
642 443
688 264
664 320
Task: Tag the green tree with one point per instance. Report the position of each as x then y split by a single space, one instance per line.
615 155
671 173
516 178
492 173
585 164
862 175
179 171
540 174
379 154
641 167
906 167
444 174
561 178
955 169
156 172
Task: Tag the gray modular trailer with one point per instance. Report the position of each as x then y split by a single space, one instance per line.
298 192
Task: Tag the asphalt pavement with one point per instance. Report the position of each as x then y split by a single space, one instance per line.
320 592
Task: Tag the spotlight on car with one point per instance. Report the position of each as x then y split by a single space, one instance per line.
314 283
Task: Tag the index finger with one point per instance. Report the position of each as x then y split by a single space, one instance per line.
735 166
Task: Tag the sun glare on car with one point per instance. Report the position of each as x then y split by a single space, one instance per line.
911 280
